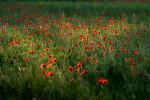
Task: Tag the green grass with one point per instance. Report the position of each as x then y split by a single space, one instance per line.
77 8
64 30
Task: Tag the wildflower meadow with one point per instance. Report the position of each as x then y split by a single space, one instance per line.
75 50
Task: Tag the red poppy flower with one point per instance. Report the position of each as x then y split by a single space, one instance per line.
54 60
49 66
110 42
14 43
44 72
50 74
26 59
70 69
72 79
95 61
85 47
131 59
50 61
136 52
79 65
31 52
92 47
102 81
43 66
117 55
77 69
42 54
84 72
47 49
68 25
89 59
50 56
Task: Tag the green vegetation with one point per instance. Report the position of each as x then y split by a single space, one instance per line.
75 51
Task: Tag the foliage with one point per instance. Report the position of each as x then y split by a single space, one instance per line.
63 50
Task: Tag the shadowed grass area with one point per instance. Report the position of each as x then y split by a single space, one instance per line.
77 8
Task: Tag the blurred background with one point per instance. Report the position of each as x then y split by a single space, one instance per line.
73 0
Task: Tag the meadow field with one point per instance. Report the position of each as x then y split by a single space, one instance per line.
75 50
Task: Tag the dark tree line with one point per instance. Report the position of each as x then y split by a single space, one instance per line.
70 0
